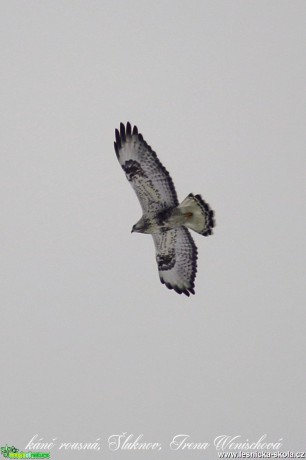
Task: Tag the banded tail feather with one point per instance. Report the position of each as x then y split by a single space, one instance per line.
200 217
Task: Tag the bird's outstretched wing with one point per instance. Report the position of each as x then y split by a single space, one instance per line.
148 177
176 257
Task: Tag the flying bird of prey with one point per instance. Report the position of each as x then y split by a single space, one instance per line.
163 217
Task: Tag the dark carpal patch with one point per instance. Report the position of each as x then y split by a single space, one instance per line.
132 168
165 261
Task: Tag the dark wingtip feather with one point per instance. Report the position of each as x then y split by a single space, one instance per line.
122 132
135 130
187 292
118 139
128 129
116 149
169 286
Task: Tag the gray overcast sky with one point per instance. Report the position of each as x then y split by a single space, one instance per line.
91 343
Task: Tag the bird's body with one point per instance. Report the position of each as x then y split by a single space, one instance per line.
163 216
162 221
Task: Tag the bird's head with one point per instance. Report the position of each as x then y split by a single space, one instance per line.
142 226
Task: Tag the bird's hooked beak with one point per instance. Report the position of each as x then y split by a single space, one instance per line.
136 228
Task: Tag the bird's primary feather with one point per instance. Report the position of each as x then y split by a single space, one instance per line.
149 178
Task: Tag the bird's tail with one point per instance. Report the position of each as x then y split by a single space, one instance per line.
199 216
